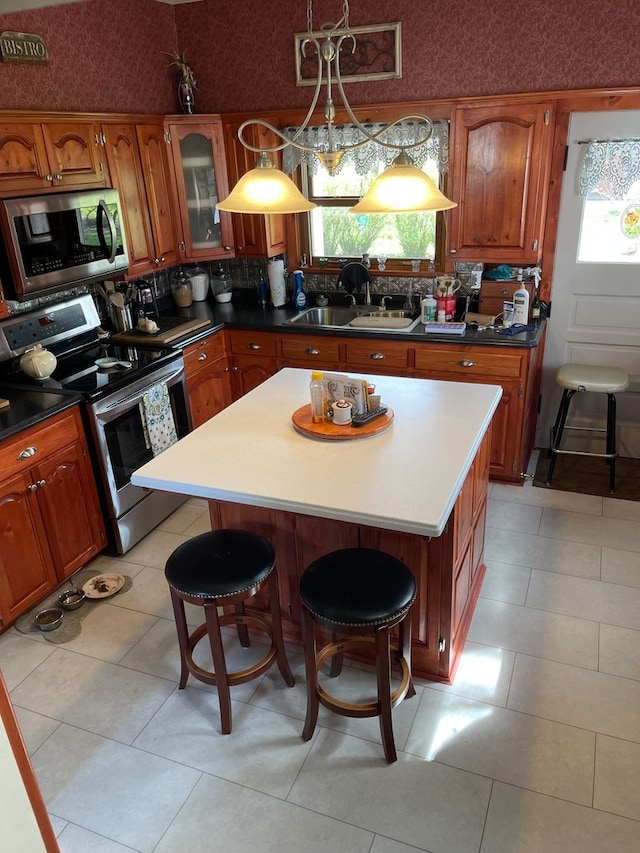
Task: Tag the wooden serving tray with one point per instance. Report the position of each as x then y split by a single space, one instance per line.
329 431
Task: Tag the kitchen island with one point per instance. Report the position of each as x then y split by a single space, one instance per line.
417 491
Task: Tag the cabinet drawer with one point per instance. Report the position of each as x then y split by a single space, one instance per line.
490 365
377 354
494 293
254 343
201 353
38 442
310 350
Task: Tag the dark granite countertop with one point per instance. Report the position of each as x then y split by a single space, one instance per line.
28 406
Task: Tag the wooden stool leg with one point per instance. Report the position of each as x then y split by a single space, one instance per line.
183 634
313 704
219 665
383 675
405 649
243 631
276 627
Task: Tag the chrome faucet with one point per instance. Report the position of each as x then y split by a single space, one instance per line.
352 299
383 301
367 293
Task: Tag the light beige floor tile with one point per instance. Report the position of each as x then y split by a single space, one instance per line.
520 821
510 515
516 748
264 751
387 845
620 651
537 552
104 563
602 602
57 824
20 655
535 632
617 785
109 788
149 593
35 728
505 582
200 525
109 632
424 803
551 498
620 567
580 528
75 839
180 520
615 508
103 698
240 820
484 673
155 549
578 697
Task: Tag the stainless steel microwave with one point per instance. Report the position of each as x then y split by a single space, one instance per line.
51 242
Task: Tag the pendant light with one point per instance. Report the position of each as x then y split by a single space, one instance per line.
266 189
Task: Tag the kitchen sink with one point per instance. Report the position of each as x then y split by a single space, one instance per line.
365 317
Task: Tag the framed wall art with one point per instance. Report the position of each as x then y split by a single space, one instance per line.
377 54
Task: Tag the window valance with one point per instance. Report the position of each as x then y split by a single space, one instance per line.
369 156
610 167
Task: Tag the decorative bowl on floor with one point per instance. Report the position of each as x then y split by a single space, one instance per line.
49 619
71 599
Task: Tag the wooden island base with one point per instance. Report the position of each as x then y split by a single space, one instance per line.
449 569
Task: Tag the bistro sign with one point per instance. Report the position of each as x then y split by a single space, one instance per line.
23 47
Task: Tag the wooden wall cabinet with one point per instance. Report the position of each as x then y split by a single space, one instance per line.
57 155
500 167
208 371
50 519
254 235
200 180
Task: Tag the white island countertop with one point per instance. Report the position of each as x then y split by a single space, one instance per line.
405 479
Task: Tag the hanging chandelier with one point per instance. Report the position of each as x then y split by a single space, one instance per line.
402 188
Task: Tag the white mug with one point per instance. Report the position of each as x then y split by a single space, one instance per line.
341 412
447 285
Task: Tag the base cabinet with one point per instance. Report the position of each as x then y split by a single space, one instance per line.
50 520
208 372
449 569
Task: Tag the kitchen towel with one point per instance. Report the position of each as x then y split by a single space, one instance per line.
353 276
158 418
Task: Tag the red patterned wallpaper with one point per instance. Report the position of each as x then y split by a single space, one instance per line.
108 55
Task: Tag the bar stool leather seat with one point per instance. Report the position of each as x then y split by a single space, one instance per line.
574 378
223 567
361 593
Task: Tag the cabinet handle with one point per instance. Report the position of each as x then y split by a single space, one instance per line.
182 246
48 178
41 484
227 248
203 356
27 453
376 355
239 248
58 177
464 362
254 346
505 291
311 351
32 487
453 251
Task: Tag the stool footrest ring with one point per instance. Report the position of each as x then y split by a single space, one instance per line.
240 676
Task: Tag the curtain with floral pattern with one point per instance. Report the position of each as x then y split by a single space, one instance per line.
610 168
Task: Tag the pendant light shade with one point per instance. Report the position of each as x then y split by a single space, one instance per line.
402 188
265 189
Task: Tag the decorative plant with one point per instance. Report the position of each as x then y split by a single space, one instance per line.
185 74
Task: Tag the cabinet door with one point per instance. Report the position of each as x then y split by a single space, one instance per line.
154 154
24 165
26 567
75 154
70 511
126 174
250 371
254 235
201 179
501 158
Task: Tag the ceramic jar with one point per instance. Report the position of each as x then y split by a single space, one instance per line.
199 284
182 290
38 362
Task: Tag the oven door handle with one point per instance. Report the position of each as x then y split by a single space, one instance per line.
122 403
103 209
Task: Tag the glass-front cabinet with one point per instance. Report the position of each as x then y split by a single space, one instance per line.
201 181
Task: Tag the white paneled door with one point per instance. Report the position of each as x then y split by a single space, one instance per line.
595 316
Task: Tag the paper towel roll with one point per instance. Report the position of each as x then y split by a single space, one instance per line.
277 286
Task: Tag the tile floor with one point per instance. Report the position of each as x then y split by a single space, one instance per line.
536 747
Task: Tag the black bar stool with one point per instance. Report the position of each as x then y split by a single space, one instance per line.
573 378
361 593
225 567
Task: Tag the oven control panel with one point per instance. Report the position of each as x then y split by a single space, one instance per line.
47 325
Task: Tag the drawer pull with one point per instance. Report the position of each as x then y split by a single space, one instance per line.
27 453
41 484
32 487
310 351
376 356
464 362
203 356
254 346
505 291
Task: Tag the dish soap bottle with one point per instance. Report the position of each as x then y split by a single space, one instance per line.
521 306
299 298
316 392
